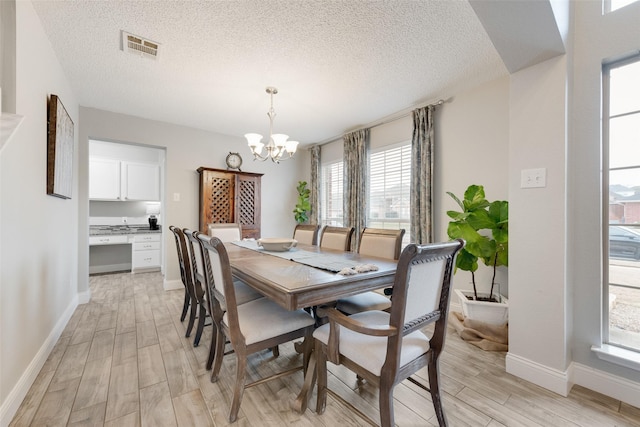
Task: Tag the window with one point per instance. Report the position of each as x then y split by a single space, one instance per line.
621 129
389 189
331 194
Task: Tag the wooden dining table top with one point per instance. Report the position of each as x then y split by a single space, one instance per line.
294 286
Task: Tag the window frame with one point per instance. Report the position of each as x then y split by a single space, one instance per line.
633 353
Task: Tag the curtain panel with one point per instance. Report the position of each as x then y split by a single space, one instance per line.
314 185
356 168
422 157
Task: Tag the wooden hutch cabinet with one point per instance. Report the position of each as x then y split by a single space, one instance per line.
230 196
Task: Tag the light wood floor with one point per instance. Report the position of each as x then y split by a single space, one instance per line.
123 360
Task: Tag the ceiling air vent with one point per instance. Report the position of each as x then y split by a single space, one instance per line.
139 45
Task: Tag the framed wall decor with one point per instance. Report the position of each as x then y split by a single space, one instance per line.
59 150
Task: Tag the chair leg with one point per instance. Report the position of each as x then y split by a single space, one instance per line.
192 317
321 372
218 355
434 388
185 307
201 319
212 346
386 405
238 391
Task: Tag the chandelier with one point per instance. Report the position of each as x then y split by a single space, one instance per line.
278 148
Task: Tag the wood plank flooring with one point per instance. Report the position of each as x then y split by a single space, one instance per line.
123 360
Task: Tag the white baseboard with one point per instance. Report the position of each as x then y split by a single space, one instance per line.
93 269
84 297
549 378
607 384
171 285
12 403
561 382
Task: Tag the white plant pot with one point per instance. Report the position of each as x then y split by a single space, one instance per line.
494 313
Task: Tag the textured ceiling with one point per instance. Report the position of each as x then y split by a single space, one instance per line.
338 65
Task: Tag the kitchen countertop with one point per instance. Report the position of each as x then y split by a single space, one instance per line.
108 230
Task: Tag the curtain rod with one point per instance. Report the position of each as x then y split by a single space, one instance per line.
383 121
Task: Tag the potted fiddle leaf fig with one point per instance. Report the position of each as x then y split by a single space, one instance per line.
484 226
303 206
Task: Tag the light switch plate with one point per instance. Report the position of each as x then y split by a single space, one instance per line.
533 178
176 197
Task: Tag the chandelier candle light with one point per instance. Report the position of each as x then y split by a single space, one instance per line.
278 146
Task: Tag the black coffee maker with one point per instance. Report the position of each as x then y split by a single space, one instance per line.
153 222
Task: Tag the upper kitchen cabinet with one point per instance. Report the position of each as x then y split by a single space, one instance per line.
104 179
125 172
111 179
141 181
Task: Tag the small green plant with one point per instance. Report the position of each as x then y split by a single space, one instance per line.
301 211
484 226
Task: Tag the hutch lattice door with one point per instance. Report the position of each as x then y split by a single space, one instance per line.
229 196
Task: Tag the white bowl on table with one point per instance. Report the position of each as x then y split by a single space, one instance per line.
277 244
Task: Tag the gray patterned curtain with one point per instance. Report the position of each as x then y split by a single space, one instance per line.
356 158
314 185
422 175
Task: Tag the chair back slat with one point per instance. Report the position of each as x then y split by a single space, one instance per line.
220 279
338 238
184 260
421 292
196 261
381 243
306 234
231 232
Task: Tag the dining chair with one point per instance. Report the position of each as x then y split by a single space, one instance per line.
306 234
197 274
251 327
380 243
338 238
229 232
244 292
190 298
387 348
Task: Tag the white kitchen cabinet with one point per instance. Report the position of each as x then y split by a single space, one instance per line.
141 181
108 240
111 179
104 179
145 252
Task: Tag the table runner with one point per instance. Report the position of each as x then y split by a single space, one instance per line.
329 262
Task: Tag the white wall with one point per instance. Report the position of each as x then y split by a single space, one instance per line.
38 233
538 295
472 147
186 150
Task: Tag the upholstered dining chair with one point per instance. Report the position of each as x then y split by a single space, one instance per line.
338 238
244 292
376 242
190 298
306 234
230 232
250 327
387 348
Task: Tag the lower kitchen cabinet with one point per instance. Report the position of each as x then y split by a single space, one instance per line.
145 252
135 252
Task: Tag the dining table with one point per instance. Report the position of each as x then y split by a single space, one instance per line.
306 277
